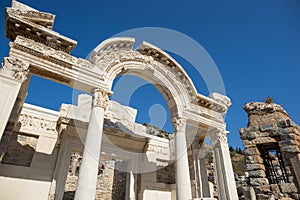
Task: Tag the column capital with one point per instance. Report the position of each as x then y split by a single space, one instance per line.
14 68
219 136
178 123
100 97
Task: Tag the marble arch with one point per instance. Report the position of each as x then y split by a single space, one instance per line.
36 49
150 63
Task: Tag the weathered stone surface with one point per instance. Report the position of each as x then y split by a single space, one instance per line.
290 136
248 144
275 188
264 140
290 149
266 127
257 174
288 143
254 159
286 123
259 181
251 167
251 151
262 189
263 197
288 188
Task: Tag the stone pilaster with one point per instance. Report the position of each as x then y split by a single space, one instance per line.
12 75
223 167
183 182
87 180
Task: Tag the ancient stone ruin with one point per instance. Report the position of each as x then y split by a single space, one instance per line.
272 152
95 149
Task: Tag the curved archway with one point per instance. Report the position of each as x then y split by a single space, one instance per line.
115 56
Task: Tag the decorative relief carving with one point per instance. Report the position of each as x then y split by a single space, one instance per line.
48 53
18 68
158 149
100 98
28 14
137 56
219 136
113 58
179 124
37 124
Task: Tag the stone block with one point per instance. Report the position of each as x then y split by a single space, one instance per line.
252 151
251 167
264 140
254 159
263 197
257 174
259 181
288 143
248 143
288 188
275 188
262 189
286 123
266 127
290 149
289 136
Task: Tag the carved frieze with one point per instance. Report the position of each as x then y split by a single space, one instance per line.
37 124
158 149
44 52
15 67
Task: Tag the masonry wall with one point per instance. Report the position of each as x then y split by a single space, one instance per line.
272 151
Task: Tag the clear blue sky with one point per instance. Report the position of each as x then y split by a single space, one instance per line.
255 44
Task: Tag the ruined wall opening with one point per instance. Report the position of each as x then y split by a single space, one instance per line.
274 163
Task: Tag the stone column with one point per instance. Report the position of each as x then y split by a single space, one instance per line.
183 182
87 180
12 74
204 184
223 167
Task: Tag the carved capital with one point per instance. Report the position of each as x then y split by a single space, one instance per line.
15 68
219 136
100 98
179 124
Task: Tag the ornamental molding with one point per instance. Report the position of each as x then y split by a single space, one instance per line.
15 68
